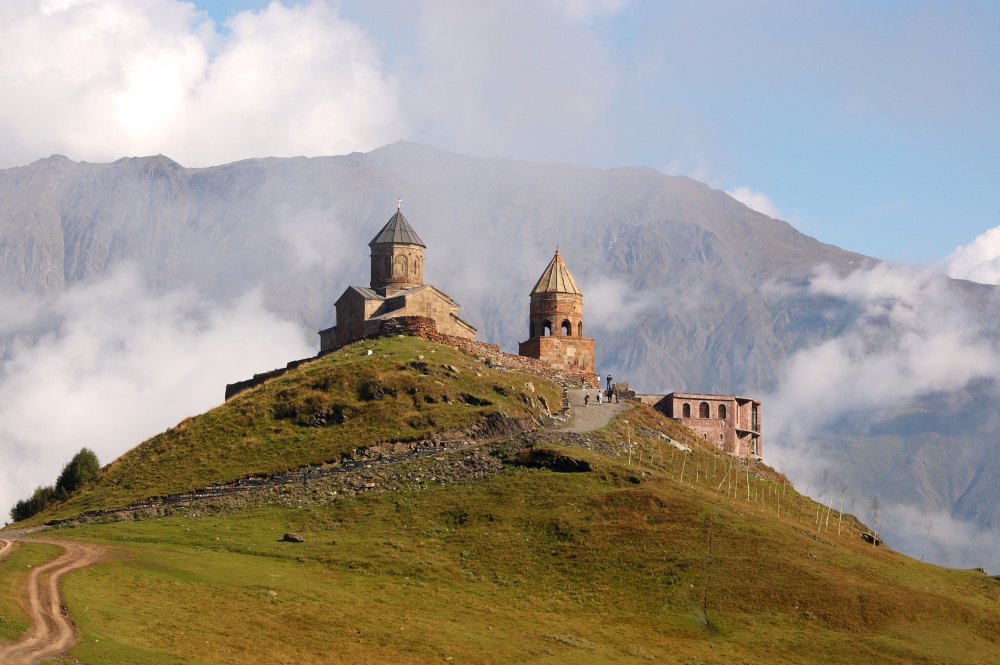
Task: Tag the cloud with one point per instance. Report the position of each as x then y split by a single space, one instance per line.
909 335
979 261
98 79
613 306
115 364
912 338
524 74
758 201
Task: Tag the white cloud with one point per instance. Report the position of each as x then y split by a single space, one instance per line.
758 201
614 306
912 338
99 79
979 261
117 364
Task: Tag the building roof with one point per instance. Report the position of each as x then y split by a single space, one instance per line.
556 278
397 231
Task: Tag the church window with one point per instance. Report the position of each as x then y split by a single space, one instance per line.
567 328
531 330
546 328
579 329
722 411
387 266
400 267
416 267
703 410
686 411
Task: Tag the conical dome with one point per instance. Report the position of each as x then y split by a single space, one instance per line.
556 278
397 231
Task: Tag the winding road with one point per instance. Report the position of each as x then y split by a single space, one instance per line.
51 631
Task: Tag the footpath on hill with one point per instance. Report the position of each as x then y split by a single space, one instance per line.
591 417
51 631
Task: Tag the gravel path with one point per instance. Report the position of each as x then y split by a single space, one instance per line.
587 418
51 631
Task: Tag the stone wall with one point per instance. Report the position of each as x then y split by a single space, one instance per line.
420 326
574 354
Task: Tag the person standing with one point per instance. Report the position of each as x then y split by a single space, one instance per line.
586 399
609 382
598 396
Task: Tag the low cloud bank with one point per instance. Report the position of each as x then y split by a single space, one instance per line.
114 364
979 261
912 334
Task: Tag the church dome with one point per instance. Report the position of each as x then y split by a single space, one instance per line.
556 279
397 231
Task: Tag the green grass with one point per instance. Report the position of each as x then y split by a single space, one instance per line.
620 564
313 414
675 557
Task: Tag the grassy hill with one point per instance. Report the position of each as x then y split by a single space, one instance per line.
405 390
611 546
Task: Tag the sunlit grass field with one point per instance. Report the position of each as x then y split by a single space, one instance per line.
653 554
612 565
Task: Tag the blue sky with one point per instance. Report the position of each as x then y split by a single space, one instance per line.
874 126
869 125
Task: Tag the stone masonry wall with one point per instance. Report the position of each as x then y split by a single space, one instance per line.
423 327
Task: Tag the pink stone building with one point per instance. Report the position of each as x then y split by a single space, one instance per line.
730 422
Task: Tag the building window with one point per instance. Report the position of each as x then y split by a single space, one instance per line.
753 414
579 329
722 412
686 411
546 328
400 267
704 411
531 330
567 328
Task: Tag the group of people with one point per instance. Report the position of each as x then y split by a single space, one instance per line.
608 394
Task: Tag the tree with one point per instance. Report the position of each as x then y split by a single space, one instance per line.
81 470
42 498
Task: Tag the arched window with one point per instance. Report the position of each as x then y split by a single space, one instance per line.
722 411
703 410
531 330
567 328
579 329
416 267
546 328
686 411
400 267
387 266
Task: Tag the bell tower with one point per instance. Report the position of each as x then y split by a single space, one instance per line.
397 257
555 321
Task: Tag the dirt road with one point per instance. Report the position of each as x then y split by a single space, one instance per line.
51 631
587 418
6 547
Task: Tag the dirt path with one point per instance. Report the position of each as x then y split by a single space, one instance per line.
587 418
51 631
6 547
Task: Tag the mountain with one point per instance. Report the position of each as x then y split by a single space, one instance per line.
684 287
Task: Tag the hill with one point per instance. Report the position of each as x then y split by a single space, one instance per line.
684 287
630 543
405 390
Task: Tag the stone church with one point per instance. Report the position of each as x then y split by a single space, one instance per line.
397 290
555 322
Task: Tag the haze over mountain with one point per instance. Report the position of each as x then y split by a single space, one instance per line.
875 376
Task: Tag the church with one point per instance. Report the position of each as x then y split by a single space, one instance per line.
396 290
